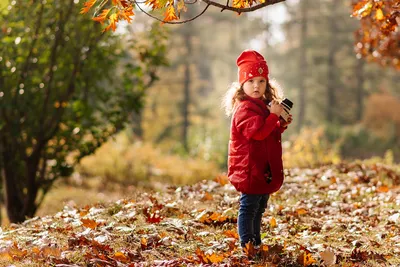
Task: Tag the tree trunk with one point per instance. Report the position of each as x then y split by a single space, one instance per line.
302 66
20 187
186 91
330 87
360 88
137 128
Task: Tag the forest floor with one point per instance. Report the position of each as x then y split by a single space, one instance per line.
334 215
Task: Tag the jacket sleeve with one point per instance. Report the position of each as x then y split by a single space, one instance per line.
253 125
281 129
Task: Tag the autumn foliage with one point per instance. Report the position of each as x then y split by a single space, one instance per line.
335 215
112 11
378 38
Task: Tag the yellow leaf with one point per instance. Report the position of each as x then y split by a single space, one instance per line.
113 22
87 6
170 14
272 222
379 14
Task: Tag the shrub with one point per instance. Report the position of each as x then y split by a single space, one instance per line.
310 148
139 163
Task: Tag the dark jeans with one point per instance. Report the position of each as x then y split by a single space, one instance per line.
251 210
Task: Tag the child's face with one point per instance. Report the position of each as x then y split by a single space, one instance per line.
255 87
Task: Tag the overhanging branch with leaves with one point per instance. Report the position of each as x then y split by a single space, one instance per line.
110 12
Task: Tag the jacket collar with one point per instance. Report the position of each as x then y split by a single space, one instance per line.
256 101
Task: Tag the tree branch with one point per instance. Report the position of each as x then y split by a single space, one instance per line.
173 22
242 10
212 3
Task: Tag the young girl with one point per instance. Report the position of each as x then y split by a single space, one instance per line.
255 152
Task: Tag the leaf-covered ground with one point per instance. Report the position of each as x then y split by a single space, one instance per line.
342 215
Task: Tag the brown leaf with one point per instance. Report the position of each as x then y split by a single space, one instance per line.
51 251
328 256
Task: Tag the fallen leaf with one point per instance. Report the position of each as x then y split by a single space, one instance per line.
328 256
89 223
272 222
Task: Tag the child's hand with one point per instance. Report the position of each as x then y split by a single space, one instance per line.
286 123
275 108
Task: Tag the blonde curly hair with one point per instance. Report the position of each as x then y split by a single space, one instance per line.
235 94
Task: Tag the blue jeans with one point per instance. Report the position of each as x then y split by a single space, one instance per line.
251 210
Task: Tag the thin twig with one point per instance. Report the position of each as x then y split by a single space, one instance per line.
241 10
174 22
227 4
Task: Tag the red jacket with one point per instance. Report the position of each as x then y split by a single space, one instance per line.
255 150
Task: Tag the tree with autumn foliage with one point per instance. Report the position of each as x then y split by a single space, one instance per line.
64 90
378 38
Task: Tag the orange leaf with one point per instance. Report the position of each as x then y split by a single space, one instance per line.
249 250
4 255
301 211
222 179
214 258
126 14
102 17
382 189
87 6
155 4
231 233
92 224
306 259
207 196
170 14
119 256
215 216
113 22
272 222
143 243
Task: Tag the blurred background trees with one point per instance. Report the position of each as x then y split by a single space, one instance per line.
65 89
60 108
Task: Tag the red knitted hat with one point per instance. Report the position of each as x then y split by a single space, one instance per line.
251 64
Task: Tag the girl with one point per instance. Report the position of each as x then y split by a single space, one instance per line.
255 152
